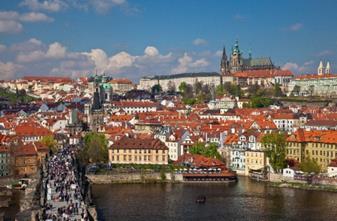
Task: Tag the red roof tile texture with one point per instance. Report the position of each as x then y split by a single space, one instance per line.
263 73
137 143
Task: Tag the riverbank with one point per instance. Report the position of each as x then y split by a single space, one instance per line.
128 178
304 186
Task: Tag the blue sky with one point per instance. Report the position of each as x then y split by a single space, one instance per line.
135 38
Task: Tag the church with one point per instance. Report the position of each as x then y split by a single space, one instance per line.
252 71
237 62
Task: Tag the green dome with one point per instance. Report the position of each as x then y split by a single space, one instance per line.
106 86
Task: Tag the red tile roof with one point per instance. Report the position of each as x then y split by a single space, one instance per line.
51 79
200 161
315 76
121 81
31 129
263 73
314 136
137 143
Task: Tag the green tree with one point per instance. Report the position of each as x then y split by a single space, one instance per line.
296 90
233 89
50 142
95 148
171 87
207 150
197 87
310 165
156 89
219 90
253 89
182 87
274 145
278 91
259 102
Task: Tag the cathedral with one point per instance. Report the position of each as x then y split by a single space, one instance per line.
237 62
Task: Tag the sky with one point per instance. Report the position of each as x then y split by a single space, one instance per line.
135 38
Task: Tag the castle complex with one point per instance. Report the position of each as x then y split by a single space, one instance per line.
237 62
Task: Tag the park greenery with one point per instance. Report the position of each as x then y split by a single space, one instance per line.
259 96
50 142
195 94
274 145
207 150
310 166
95 149
20 96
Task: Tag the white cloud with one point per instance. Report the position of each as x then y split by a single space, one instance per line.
199 63
295 27
9 26
56 50
9 15
186 63
103 6
8 70
324 53
35 41
10 21
218 53
297 68
113 64
151 51
30 57
99 57
35 17
34 56
47 5
120 60
199 41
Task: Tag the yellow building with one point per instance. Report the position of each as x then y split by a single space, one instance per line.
138 151
318 145
254 160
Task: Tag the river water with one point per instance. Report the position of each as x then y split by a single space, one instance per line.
245 200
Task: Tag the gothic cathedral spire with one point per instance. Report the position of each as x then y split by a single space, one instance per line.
224 69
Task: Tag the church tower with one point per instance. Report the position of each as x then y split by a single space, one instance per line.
320 69
224 67
236 57
327 68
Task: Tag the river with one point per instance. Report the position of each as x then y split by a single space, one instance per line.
245 200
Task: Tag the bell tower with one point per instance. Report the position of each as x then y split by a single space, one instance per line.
320 69
236 57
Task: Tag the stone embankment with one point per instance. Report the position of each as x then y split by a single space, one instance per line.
314 183
134 178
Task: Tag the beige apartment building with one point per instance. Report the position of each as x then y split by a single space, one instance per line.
317 145
132 150
254 160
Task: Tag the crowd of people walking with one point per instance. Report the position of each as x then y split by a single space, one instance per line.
63 198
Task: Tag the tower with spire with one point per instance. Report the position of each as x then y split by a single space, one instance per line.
224 66
320 69
327 68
